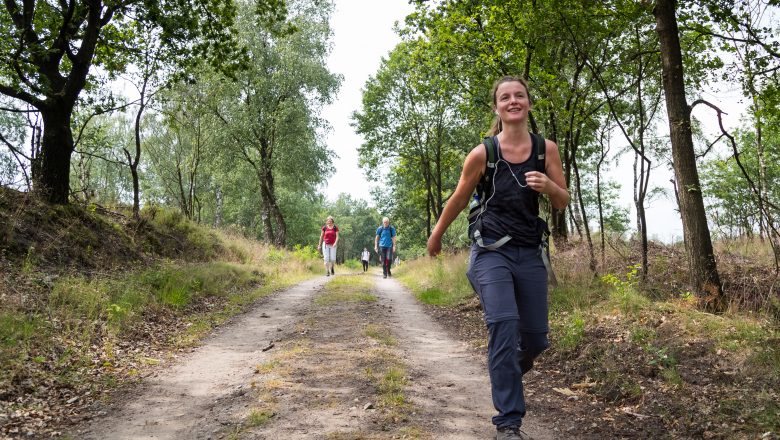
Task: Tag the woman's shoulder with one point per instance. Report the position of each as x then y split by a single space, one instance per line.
478 152
550 145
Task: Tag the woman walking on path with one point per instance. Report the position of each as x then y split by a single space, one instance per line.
364 257
384 244
506 267
329 239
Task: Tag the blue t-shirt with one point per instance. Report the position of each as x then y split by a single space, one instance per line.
386 235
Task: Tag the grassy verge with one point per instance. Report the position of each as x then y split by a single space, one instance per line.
71 337
440 282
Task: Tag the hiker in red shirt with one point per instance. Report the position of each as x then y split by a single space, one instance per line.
329 238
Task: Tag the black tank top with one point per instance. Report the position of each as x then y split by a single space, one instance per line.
513 209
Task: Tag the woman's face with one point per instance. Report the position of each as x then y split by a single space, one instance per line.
329 222
512 102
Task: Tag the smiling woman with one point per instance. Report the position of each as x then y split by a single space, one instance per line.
506 266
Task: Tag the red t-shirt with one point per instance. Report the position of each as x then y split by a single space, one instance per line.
329 234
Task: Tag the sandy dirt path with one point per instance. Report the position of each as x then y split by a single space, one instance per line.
190 398
357 358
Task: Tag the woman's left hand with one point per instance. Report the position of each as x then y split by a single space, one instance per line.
538 181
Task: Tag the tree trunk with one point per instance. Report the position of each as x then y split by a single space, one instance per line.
581 203
218 211
602 157
52 179
558 229
641 177
134 160
268 191
703 269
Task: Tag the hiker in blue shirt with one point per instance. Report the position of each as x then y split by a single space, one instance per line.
384 244
507 267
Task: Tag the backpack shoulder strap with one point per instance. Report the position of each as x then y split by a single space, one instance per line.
491 147
492 151
540 149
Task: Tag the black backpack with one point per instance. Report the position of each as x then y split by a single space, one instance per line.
485 188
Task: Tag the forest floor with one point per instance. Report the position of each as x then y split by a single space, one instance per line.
352 359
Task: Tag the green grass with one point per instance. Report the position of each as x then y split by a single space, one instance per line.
642 335
570 298
353 264
118 302
19 330
624 295
258 418
390 382
391 387
441 281
568 331
380 333
346 289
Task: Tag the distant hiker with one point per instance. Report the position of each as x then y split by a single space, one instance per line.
509 172
364 257
384 244
329 239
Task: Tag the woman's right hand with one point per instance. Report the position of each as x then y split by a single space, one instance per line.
434 245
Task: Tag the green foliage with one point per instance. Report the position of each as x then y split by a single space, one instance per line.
305 252
568 331
353 264
415 137
276 256
38 65
268 125
624 294
733 204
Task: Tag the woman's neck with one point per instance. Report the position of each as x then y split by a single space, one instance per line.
514 133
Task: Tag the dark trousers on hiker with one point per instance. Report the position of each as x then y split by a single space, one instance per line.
365 265
387 259
512 286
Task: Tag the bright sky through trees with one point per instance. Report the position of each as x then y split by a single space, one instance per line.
363 34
